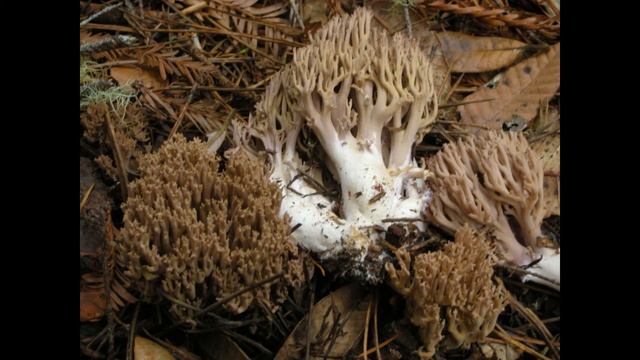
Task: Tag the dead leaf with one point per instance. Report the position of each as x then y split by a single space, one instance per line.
127 75
517 94
215 140
89 38
92 305
348 306
551 195
548 151
218 346
469 54
92 215
441 76
315 11
548 121
145 349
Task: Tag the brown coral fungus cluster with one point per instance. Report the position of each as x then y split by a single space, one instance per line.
368 98
129 131
493 179
196 234
456 281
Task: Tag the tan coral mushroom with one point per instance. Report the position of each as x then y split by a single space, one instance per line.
485 181
457 279
368 97
201 234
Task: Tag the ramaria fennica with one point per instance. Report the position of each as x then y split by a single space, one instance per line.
195 234
457 282
368 98
494 179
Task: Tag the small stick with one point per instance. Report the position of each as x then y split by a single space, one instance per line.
101 12
401 220
119 28
366 330
124 184
108 43
505 336
132 332
336 328
249 341
315 263
464 103
540 289
194 8
296 12
198 30
377 197
178 302
86 195
296 227
224 300
463 124
407 18
106 273
383 344
388 246
175 351
177 124
382 22
523 339
536 322
523 271
375 326
308 335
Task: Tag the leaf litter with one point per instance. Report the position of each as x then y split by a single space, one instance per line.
190 66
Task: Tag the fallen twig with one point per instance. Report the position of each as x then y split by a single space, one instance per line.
178 122
122 173
86 195
525 272
366 328
107 277
375 325
308 335
132 332
536 322
109 43
99 13
382 344
506 337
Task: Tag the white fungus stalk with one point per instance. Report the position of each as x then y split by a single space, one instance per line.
367 97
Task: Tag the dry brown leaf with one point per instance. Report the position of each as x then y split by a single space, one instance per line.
516 93
346 304
127 75
88 38
467 53
548 150
219 346
315 11
145 349
551 195
441 78
92 305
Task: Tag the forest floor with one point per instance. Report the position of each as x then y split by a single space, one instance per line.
149 70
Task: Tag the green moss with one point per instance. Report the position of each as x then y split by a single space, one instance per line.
87 72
